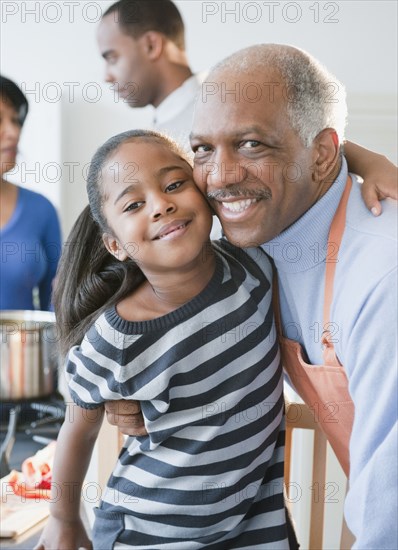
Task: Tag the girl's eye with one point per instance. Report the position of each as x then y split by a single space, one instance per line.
133 206
175 185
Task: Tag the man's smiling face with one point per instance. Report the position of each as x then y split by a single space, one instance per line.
248 159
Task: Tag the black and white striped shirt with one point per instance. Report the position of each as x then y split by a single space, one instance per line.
209 378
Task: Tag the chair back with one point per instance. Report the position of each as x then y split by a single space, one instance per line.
299 416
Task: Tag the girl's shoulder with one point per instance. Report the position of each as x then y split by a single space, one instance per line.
104 336
247 257
103 325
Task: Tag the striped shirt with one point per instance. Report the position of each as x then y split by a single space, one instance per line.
209 474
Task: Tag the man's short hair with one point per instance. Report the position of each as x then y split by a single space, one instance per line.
316 99
135 17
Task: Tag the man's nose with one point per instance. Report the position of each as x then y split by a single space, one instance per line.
109 76
225 169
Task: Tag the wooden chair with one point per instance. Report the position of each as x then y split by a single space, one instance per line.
298 415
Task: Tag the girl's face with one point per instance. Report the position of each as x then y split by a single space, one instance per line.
10 130
157 215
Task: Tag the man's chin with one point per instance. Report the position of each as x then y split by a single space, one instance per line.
242 238
133 102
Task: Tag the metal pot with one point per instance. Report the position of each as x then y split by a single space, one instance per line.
29 359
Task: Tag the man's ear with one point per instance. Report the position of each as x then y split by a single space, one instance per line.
114 247
153 43
327 153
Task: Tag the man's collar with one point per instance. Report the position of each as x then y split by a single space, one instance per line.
175 102
304 244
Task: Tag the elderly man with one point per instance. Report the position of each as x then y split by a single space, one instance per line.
267 137
267 140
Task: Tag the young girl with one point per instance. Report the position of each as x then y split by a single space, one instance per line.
185 327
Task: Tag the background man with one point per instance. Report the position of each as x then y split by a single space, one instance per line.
143 44
275 174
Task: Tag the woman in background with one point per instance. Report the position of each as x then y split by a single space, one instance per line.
29 228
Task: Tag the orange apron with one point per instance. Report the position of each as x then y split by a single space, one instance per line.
324 388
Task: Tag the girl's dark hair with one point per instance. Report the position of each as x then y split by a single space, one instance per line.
89 279
10 93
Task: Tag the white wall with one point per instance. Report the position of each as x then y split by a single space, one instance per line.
49 48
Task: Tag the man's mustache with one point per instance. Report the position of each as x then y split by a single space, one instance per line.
239 192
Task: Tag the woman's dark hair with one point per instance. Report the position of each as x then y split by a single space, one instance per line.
136 17
89 279
10 93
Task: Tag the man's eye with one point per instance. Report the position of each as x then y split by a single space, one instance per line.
201 148
250 144
175 185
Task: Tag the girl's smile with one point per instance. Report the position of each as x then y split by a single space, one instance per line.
173 229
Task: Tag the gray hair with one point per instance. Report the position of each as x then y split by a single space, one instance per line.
316 99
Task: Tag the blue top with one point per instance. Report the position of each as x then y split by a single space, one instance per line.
30 250
364 314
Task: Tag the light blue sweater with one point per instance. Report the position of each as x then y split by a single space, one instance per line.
364 310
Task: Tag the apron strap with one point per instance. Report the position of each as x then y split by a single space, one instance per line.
334 241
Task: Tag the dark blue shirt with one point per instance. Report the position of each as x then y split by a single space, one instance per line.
30 250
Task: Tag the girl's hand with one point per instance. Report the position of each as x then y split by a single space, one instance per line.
64 535
380 182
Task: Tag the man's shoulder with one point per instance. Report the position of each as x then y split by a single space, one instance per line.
363 225
368 253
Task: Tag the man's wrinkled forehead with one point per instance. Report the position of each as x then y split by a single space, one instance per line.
250 87
239 95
